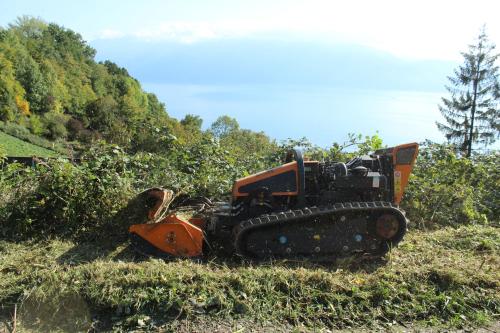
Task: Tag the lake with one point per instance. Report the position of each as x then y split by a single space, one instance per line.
323 114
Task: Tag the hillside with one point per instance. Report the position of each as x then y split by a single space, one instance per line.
52 85
53 88
445 278
66 263
13 146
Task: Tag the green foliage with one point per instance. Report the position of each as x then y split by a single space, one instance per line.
15 147
102 113
86 202
192 127
22 133
254 151
363 145
36 125
210 168
47 70
60 198
10 89
355 145
55 123
30 77
81 201
6 114
192 122
3 152
67 42
224 126
472 113
447 190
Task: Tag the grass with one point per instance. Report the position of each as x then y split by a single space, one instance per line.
444 278
19 148
23 133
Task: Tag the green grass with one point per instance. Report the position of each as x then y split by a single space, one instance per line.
444 278
17 147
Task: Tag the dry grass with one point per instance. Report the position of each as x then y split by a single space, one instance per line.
442 278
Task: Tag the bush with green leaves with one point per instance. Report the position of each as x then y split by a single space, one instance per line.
36 125
84 201
445 189
355 145
201 168
57 197
56 125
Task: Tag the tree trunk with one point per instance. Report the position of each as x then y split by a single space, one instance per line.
475 84
473 111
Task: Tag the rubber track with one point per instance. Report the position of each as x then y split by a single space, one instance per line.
311 213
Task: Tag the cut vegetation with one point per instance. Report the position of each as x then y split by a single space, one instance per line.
445 278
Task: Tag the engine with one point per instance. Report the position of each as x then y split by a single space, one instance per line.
380 176
365 178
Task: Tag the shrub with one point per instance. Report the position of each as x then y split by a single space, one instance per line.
445 189
14 129
209 169
6 113
36 125
84 201
60 198
74 127
56 125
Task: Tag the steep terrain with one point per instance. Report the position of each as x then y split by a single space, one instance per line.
17 147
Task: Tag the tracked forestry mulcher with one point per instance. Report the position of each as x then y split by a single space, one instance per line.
302 209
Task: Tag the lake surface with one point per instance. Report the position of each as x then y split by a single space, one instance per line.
322 114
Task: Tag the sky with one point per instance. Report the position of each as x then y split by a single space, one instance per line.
315 68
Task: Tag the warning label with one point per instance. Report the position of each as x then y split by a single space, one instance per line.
397 182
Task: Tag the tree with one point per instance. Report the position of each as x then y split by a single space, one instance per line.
472 112
192 122
28 27
223 126
102 113
11 92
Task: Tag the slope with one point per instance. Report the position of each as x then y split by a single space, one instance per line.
445 278
16 147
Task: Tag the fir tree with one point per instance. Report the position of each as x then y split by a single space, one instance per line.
472 112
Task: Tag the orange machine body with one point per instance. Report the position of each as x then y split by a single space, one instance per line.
287 173
173 235
403 157
286 177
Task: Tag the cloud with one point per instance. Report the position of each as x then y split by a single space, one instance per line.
111 34
195 31
426 29
184 32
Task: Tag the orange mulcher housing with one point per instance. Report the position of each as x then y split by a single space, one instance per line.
367 187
